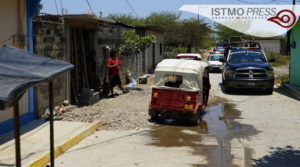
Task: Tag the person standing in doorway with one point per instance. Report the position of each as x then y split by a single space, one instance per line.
114 72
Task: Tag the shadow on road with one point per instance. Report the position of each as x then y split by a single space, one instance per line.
24 129
172 122
284 93
278 157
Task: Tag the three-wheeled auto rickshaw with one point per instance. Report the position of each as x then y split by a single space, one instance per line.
181 90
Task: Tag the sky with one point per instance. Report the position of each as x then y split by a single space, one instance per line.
140 8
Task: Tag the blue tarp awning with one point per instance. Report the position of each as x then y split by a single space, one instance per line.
20 70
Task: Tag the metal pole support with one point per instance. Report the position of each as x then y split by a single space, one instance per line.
17 135
51 124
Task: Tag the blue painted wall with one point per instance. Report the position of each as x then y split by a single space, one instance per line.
6 126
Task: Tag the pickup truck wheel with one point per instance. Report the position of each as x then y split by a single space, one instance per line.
269 91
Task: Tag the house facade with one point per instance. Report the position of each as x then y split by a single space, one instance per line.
154 53
72 37
295 55
16 30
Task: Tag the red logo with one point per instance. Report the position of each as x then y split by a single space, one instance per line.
284 18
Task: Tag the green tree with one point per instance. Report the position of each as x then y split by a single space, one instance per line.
223 32
133 43
166 19
188 33
170 21
194 33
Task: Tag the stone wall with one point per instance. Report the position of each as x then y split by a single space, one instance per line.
49 40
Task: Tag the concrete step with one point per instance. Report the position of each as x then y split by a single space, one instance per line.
293 90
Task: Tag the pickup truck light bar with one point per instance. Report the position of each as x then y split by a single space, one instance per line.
241 43
243 48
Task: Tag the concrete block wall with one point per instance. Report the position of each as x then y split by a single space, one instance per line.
271 45
158 55
49 40
111 35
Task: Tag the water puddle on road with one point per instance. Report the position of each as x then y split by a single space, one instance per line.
211 138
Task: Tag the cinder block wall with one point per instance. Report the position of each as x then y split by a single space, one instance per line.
49 40
158 53
111 35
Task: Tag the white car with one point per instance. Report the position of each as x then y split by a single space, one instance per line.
189 56
214 63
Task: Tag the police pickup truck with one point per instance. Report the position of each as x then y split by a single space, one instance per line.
247 67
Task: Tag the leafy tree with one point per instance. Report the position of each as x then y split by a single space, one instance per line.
146 41
133 43
180 50
194 33
188 33
166 19
223 32
169 20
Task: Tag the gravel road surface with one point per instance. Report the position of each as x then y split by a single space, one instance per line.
243 128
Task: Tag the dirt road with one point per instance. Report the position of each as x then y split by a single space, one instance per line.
240 129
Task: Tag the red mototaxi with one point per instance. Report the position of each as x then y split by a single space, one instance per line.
181 89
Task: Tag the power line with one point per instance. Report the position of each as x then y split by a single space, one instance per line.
61 7
130 6
56 7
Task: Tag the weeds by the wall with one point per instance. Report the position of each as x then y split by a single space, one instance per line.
282 79
279 59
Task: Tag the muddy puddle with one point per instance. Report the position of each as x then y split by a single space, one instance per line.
219 125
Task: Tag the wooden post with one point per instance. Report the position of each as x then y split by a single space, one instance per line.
86 78
75 72
76 59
